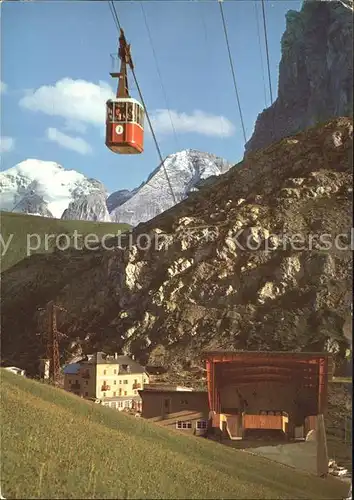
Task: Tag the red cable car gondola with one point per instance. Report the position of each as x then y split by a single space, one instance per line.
124 115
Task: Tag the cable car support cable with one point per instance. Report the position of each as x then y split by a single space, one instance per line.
267 52
159 74
260 51
119 28
114 14
232 70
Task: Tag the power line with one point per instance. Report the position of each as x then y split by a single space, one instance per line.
116 20
232 71
114 14
159 74
260 51
267 52
155 140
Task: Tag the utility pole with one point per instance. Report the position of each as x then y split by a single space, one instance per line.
52 340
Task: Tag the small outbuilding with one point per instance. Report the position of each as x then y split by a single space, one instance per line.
177 408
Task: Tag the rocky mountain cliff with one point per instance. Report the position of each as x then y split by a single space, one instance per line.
260 259
89 207
117 198
315 72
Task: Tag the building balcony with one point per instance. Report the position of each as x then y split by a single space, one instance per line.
105 387
137 386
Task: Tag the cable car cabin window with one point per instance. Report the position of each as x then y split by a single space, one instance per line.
110 111
130 112
141 114
135 113
119 112
138 114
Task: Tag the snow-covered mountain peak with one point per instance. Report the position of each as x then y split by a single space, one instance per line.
47 188
185 170
48 181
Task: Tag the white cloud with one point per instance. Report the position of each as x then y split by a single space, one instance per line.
6 144
74 143
78 101
81 103
198 122
3 87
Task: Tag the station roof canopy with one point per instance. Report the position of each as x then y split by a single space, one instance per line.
257 366
209 354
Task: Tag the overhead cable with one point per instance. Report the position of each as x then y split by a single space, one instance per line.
162 160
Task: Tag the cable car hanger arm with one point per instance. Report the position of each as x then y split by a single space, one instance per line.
126 59
124 50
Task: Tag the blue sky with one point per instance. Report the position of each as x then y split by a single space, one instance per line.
55 79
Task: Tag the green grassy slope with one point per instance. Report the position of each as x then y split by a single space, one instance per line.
339 421
20 227
55 445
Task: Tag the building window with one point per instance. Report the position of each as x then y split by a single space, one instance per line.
184 401
114 394
125 381
135 381
115 372
127 404
104 372
104 394
120 381
86 382
120 404
114 382
125 393
183 425
202 424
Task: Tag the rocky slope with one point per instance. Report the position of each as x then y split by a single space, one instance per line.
89 207
185 171
315 72
32 203
117 198
225 268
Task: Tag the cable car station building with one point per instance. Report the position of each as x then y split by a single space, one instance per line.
257 392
